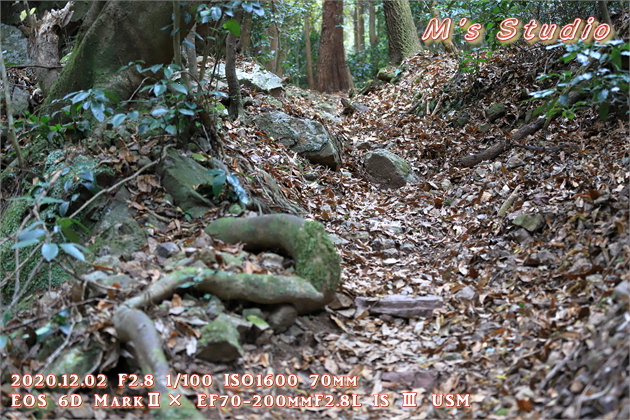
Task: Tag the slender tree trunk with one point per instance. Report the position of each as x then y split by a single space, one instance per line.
246 31
309 53
448 44
372 24
401 31
273 47
359 26
234 87
362 24
333 74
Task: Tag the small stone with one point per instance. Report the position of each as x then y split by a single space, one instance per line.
310 176
484 128
383 243
622 291
531 222
364 145
166 249
207 256
408 247
282 318
514 162
521 236
468 293
446 184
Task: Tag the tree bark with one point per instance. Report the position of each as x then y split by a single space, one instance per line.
333 74
359 26
401 31
234 87
309 52
105 47
372 24
246 32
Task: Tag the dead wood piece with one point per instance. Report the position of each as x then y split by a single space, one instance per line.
45 45
350 108
400 305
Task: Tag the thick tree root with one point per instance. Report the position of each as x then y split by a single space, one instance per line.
133 325
316 261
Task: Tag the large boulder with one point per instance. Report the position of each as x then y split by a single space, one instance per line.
388 169
14 45
308 138
256 77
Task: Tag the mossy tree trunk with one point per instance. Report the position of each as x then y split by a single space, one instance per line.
401 31
123 31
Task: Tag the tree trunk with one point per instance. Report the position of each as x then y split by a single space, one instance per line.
246 32
105 47
273 34
401 31
234 87
372 24
309 53
359 26
448 43
333 74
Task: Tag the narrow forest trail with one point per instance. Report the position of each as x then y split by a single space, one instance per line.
517 304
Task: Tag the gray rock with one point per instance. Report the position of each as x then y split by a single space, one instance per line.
531 222
514 162
462 119
495 111
388 169
219 341
622 291
182 178
468 293
257 78
166 249
14 45
383 243
282 318
307 138
521 236
484 128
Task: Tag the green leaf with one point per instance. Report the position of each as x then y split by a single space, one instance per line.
186 111
80 96
179 88
24 244
155 68
87 174
44 332
171 129
50 200
218 183
233 26
159 111
159 89
240 191
72 250
215 13
3 341
31 234
50 251
199 157
118 119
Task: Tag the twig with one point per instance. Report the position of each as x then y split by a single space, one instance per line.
59 349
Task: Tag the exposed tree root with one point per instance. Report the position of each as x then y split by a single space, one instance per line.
134 326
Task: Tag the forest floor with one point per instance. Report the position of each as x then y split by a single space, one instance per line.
533 324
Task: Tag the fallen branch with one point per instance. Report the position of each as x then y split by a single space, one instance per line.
497 149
